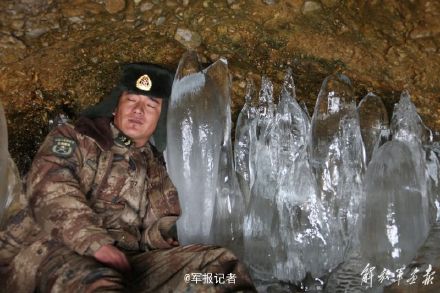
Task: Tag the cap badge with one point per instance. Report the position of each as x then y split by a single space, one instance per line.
144 83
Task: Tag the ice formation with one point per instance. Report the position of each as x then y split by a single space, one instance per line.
259 218
3 161
374 123
10 181
244 144
305 183
397 211
229 207
301 225
199 155
196 129
338 158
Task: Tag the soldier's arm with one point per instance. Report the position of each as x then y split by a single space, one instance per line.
163 209
55 196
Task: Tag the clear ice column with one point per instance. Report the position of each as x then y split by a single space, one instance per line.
260 215
11 196
433 177
338 159
195 132
3 161
229 208
245 143
374 123
301 226
396 219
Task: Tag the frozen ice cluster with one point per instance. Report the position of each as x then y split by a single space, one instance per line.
300 194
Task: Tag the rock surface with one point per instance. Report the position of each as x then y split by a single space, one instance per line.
189 39
114 6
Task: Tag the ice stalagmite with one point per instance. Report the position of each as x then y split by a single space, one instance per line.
338 159
396 214
195 131
433 177
374 123
10 182
406 124
303 224
3 161
260 215
245 143
266 107
229 208
299 221
408 127
291 127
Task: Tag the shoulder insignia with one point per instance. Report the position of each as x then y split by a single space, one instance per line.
63 147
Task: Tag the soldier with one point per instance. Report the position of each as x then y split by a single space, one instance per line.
100 210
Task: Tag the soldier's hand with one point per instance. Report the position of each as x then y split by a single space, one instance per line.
172 242
113 257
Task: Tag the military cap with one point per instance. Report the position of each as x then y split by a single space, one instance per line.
147 79
143 79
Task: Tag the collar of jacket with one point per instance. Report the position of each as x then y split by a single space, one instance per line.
120 138
97 128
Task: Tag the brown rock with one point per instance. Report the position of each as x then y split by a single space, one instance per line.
130 14
79 8
310 7
72 11
17 24
329 3
160 21
93 8
188 38
171 3
420 32
114 6
11 49
146 6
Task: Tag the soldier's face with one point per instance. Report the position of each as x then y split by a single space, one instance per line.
136 116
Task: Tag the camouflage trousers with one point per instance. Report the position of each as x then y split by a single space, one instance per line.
191 268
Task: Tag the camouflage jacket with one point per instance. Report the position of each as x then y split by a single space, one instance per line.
89 186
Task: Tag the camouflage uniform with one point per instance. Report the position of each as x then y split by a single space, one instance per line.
89 186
